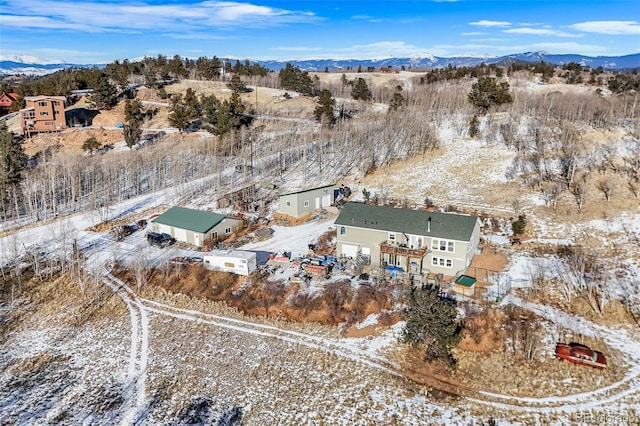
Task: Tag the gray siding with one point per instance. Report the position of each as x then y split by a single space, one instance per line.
198 238
315 198
364 240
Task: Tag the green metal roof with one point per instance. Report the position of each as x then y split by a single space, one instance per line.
193 220
466 280
443 225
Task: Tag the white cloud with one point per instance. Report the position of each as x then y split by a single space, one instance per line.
485 23
608 27
473 33
540 31
97 16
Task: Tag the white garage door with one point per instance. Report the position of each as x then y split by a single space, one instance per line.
349 250
326 200
181 234
164 229
366 251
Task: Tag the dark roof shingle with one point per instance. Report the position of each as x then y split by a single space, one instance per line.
443 225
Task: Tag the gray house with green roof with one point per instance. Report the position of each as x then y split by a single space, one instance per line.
415 240
196 226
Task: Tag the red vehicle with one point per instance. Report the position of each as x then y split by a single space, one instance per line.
580 354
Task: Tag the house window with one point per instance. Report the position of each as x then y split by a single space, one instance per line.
288 203
42 103
44 113
214 236
392 237
227 231
441 261
343 230
442 245
306 203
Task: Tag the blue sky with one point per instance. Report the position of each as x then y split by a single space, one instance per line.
90 31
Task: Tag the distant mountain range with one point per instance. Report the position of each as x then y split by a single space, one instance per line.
31 65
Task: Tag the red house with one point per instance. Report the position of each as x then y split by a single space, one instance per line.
7 99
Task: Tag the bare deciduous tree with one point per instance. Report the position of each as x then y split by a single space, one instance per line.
606 187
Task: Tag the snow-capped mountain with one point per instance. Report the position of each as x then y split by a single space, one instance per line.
427 61
31 65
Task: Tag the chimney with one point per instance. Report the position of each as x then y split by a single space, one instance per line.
429 224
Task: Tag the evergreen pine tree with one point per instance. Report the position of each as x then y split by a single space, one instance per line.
132 110
361 90
91 144
192 104
431 323
520 225
12 162
230 115
324 112
397 101
132 133
178 116
236 84
487 92
104 94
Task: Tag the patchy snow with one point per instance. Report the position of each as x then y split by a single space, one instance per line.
371 319
295 239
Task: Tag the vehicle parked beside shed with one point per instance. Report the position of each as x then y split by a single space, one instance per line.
235 261
161 240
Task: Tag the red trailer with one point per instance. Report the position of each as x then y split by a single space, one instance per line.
580 354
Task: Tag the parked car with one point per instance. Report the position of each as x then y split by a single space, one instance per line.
160 240
580 354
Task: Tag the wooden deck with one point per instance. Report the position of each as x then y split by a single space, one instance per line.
387 248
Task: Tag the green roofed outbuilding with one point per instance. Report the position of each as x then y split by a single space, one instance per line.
196 227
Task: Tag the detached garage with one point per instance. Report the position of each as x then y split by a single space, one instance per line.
195 226
299 203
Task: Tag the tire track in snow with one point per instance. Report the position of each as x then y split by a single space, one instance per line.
135 382
623 388
294 337
569 403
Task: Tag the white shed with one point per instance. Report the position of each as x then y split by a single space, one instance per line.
236 261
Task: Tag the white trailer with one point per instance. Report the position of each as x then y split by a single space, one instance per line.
236 261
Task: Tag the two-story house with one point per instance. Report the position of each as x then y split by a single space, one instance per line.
43 114
417 241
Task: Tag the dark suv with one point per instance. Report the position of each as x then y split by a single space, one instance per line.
160 240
